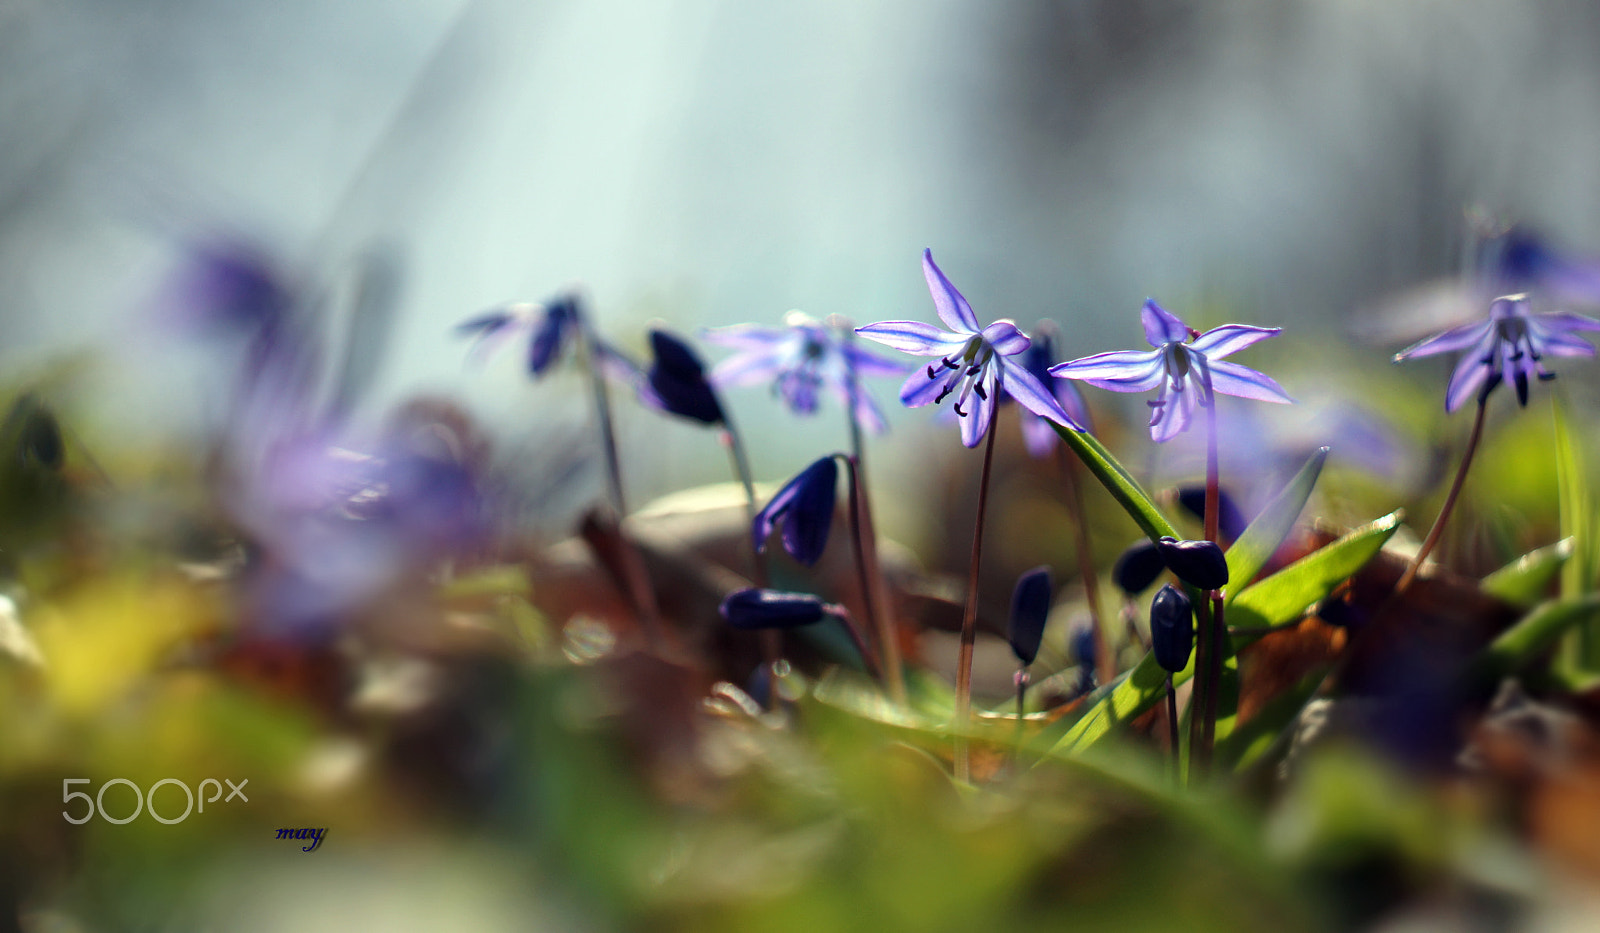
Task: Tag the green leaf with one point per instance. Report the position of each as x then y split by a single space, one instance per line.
1118 481
1287 594
1307 580
1258 542
1576 514
1538 630
1246 745
1524 581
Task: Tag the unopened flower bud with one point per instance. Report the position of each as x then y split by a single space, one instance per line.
1200 564
1171 628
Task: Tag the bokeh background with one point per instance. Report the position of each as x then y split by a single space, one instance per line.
708 162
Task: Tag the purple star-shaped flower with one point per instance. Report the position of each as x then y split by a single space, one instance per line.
551 325
799 359
1509 347
974 361
1187 373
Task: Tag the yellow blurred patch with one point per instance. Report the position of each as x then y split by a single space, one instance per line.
105 638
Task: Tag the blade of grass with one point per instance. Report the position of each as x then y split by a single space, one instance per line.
1525 581
1258 542
1521 643
1577 522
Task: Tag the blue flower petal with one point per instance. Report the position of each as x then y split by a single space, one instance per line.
809 515
1005 338
751 367
1471 372
1160 326
1456 338
1554 342
914 337
1243 382
1175 410
920 389
1228 339
1022 386
747 336
1118 370
951 305
980 412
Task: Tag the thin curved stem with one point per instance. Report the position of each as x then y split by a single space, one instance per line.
771 641
1432 539
859 531
1213 628
969 617
874 589
1172 730
635 575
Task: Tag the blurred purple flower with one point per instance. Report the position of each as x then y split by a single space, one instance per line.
226 286
1509 347
799 359
1172 363
974 361
551 327
1037 434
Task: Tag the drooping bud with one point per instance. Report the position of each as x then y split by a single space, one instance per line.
1030 609
756 608
1171 628
804 506
677 381
1138 567
1200 564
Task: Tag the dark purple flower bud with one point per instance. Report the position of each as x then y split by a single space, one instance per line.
1138 567
762 609
1030 609
805 508
1083 649
1171 628
677 381
1198 563
1231 522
